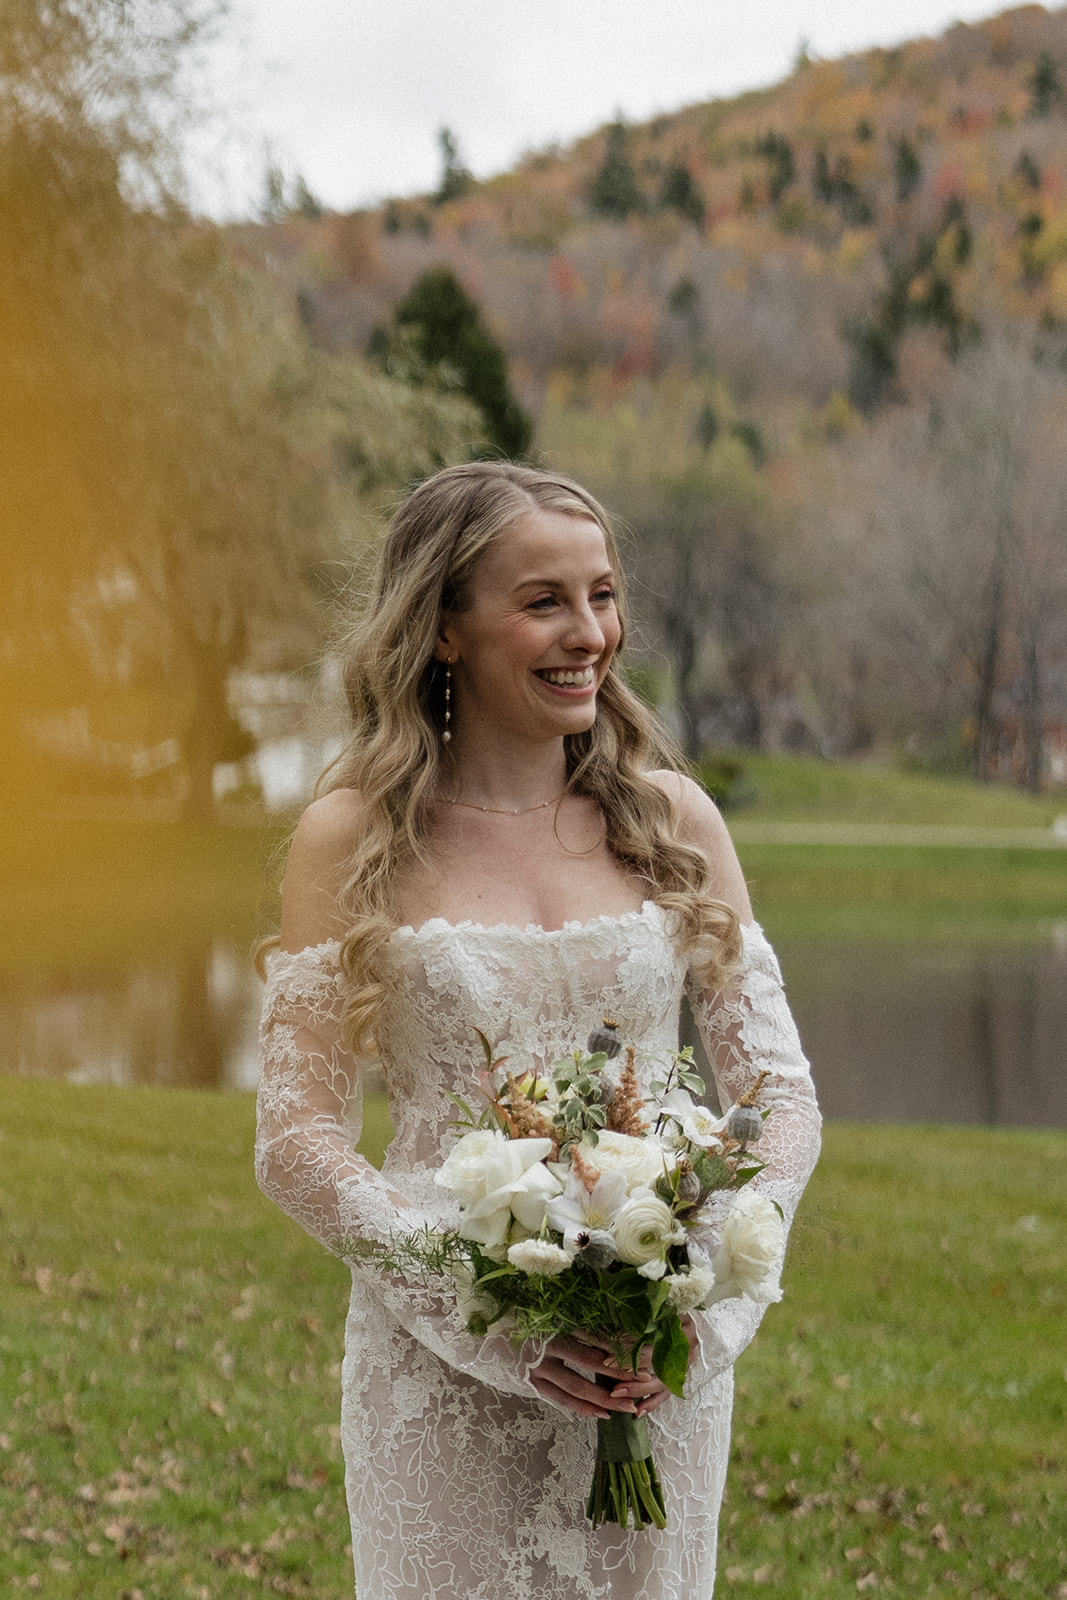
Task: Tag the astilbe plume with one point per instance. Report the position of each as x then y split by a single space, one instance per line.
528 1120
583 1170
624 1111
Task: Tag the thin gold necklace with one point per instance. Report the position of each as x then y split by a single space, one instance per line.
497 811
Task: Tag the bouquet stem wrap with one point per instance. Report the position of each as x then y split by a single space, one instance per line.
625 1481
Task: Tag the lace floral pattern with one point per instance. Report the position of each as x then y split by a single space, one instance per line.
462 1483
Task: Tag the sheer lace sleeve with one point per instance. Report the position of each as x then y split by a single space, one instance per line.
309 1118
747 1030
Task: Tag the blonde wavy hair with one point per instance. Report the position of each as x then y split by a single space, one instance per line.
393 758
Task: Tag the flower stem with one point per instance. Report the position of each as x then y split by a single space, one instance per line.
625 1481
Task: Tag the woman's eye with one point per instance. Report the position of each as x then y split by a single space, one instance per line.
542 603
604 597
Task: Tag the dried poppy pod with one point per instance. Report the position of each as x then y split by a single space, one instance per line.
605 1040
744 1124
688 1184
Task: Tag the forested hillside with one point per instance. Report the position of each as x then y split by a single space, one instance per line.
810 343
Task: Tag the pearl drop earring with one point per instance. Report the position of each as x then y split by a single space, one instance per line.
447 735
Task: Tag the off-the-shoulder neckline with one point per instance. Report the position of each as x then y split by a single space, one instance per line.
467 924
443 925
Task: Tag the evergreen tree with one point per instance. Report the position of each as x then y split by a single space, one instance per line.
613 191
1046 90
1028 170
446 328
821 178
907 169
778 153
681 193
455 178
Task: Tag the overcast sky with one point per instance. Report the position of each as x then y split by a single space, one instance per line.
351 93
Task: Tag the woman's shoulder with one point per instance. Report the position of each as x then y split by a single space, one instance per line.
319 866
696 811
700 823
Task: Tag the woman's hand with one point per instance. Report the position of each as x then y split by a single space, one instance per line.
633 1393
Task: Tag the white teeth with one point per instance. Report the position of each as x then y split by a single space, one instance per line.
583 678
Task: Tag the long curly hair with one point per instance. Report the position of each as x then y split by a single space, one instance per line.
393 756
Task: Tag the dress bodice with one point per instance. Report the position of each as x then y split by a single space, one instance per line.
536 994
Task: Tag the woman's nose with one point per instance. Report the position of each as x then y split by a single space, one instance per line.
585 631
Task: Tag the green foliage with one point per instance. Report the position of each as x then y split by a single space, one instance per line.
907 168
456 181
454 345
684 297
727 781
614 191
1046 87
707 426
680 192
781 164
1028 170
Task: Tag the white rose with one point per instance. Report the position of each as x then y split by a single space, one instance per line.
495 1179
640 1161
644 1228
753 1242
686 1291
539 1257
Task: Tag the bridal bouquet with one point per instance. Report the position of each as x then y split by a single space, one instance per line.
576 1197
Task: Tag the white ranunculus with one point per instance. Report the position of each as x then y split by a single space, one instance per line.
640 1161
753 1242
539 1257
495 1179
644 1228
687 1290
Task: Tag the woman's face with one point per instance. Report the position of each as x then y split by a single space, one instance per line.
531 652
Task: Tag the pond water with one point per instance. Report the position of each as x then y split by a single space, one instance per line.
917 1034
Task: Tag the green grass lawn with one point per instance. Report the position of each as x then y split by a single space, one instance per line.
802 789
170 1349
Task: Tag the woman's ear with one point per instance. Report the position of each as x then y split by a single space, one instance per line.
445 648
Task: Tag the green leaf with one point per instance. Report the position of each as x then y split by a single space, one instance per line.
670 1354
463 1106
692 1081
657 1295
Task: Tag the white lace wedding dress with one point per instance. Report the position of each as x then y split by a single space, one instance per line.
463 1484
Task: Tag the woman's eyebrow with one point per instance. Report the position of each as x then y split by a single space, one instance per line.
606 576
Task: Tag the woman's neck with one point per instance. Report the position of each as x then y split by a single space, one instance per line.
511 777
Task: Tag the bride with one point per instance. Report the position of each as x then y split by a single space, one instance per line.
505 844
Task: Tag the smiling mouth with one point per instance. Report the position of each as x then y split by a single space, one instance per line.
580 678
